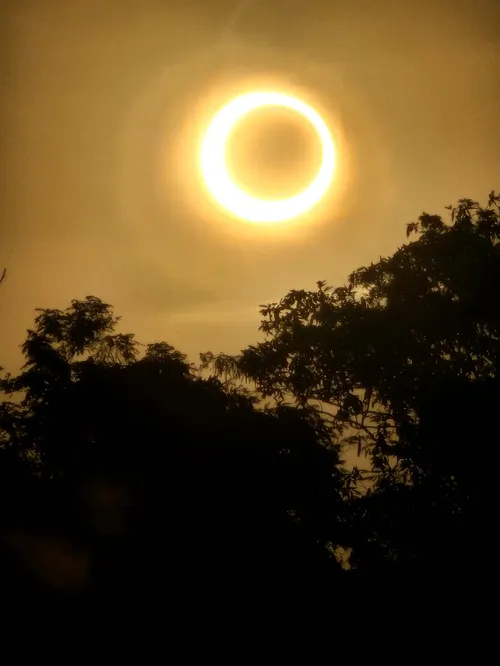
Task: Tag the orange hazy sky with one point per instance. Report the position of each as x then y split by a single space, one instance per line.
102 105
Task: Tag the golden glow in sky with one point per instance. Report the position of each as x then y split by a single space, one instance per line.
214 166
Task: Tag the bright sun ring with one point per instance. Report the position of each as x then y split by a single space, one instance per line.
218 180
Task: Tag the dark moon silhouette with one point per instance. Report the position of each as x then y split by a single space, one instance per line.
273 153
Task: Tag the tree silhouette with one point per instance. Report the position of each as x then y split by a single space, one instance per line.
202 482
126 469
404 361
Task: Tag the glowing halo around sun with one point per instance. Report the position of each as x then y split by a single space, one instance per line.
213 161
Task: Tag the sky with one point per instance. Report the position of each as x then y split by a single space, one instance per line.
102 107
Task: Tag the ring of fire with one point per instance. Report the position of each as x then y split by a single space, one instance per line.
213 161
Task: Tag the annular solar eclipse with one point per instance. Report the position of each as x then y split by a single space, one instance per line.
232 197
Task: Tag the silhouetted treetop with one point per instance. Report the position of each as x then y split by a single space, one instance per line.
194 460
404 359
158 474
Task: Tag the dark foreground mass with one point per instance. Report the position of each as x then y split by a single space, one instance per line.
128 474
